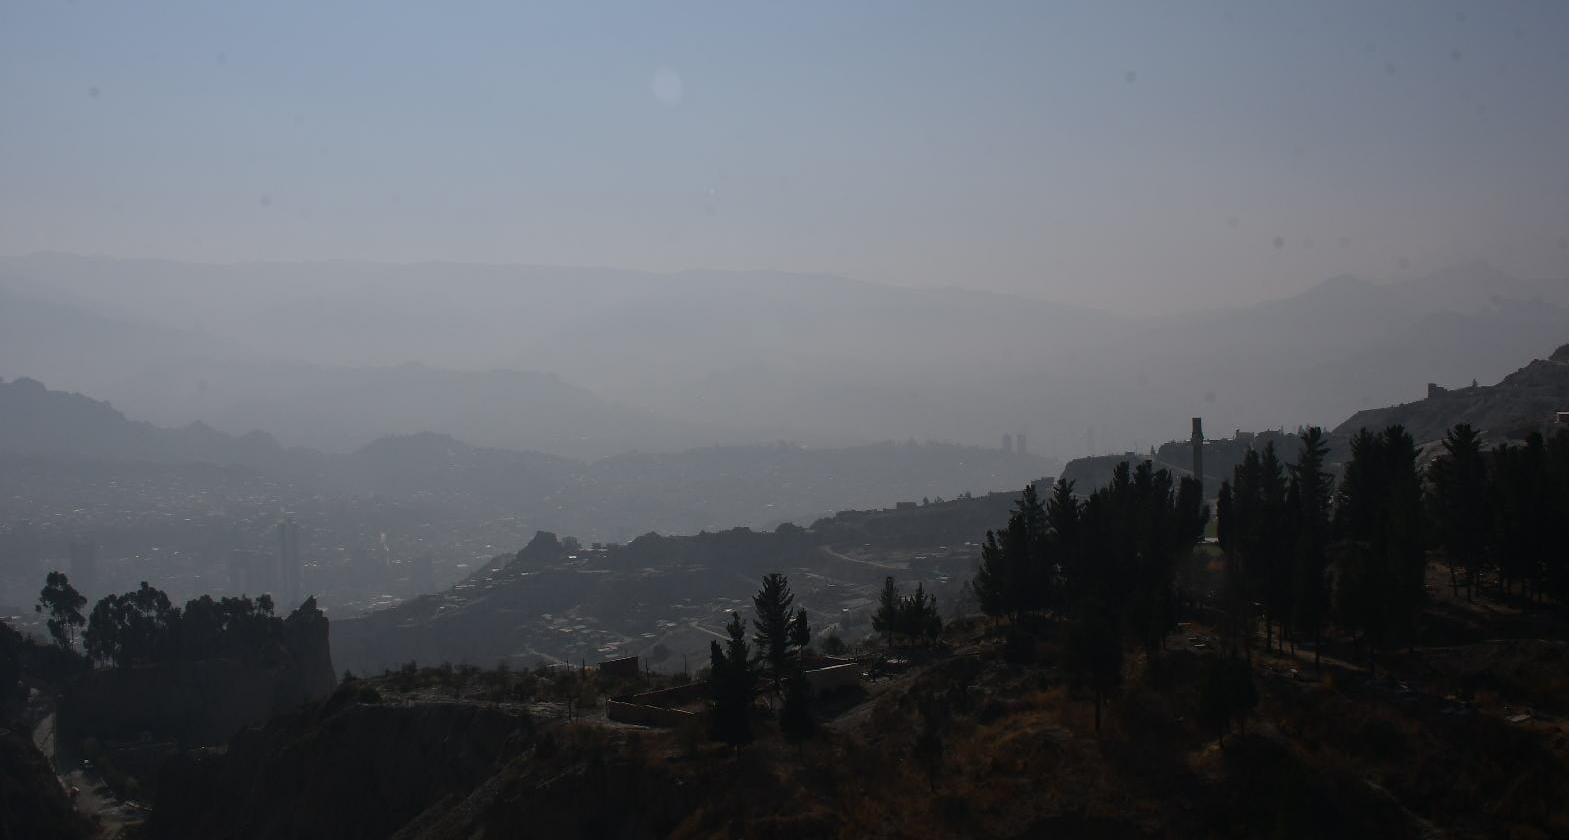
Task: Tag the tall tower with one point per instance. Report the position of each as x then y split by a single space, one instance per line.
1007 442
1023 450
84 566
1198 450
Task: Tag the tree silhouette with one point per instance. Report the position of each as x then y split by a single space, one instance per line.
1256 531
912 617
886 620
1015 574
1555 564
63 604
1065 518
1380 540
1094 653
134 628
778 643
1459 507
732 682
1311 497
1520 493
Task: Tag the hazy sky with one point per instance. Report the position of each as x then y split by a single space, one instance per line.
1138 157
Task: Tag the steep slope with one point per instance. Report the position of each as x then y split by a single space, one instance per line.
1527 399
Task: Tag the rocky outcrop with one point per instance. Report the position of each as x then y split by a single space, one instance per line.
306 634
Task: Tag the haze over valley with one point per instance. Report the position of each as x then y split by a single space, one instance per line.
890 419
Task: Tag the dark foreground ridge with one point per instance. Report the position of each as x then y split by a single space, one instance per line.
1462 739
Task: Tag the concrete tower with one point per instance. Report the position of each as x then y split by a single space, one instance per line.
1019 441
1007 442
1198 450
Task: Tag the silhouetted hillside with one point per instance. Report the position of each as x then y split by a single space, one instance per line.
1524 400
37 421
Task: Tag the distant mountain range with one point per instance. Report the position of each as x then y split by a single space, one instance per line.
317 353
612 498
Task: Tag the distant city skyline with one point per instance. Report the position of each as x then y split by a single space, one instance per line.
1138 159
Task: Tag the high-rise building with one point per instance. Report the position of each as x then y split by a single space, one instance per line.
287 582
84 566
245 573
1023 450
1007 442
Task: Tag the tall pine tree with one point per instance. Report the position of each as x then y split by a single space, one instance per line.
1459 506
1312 497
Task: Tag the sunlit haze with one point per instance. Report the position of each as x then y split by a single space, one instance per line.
1136 157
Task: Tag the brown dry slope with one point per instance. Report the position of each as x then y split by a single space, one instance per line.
961 744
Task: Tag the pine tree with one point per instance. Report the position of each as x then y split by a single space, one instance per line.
1459 506
1555 562
1312 495
1522 511
1272 544
1380 549
886 620
1065 519
1224 518
1015 575
918 617
772 621
800 631
732 682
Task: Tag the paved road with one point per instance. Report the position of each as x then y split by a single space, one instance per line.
94 798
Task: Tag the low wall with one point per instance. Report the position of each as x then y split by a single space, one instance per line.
833 678
643 715
624 667
657 708
678 695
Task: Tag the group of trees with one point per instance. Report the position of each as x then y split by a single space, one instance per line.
1275 525
1301 552
912 618
142 627
738 670
1106 563
1502 513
